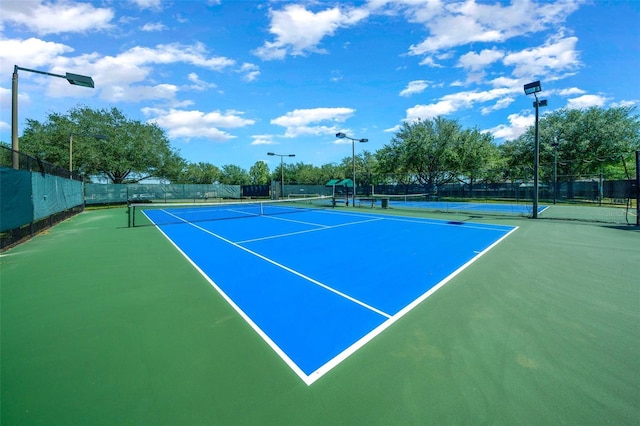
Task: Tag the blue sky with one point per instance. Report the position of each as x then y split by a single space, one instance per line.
229 81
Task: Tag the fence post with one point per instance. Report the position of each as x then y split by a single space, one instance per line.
637 188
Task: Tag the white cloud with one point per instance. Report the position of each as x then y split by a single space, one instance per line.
45 18
393 129
126 77
194 54
6 101
119 93
557 56
414 87
155 26
263 140
148 4
250 71
425 112
462 100
625 103
460 23
199 84
5 98
44 56
5 104
571 91
505 82
586 101
29 53
473 61
500 104
301 117
300 121
197 124
518 124
299 31
430 62
118 76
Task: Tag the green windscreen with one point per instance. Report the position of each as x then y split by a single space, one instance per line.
15 198
53 194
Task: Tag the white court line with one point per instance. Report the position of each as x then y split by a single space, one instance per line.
273 262
322 228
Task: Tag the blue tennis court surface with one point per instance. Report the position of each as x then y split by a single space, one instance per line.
319 284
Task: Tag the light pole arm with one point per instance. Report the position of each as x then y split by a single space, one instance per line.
16 68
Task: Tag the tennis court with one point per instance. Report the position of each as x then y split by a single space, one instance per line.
312 310
104 324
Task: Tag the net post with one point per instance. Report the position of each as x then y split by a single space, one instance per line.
128 214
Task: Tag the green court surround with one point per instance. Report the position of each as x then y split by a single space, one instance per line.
101 324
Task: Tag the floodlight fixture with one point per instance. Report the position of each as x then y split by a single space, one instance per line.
532 88
79 80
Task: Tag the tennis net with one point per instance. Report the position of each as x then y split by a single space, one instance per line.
140 214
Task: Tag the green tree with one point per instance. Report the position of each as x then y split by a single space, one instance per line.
326 172
259 173
422 150
290 173
475 155
175 169
105 142
366 167
234 175
589 142
302 174
201 173
516 160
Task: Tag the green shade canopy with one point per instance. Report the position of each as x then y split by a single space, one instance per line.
340 183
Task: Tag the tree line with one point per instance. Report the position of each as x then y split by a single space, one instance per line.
593 141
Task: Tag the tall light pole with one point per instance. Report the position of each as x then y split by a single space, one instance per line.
281 169
637 188
341 135
555 145
75 79
533 89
